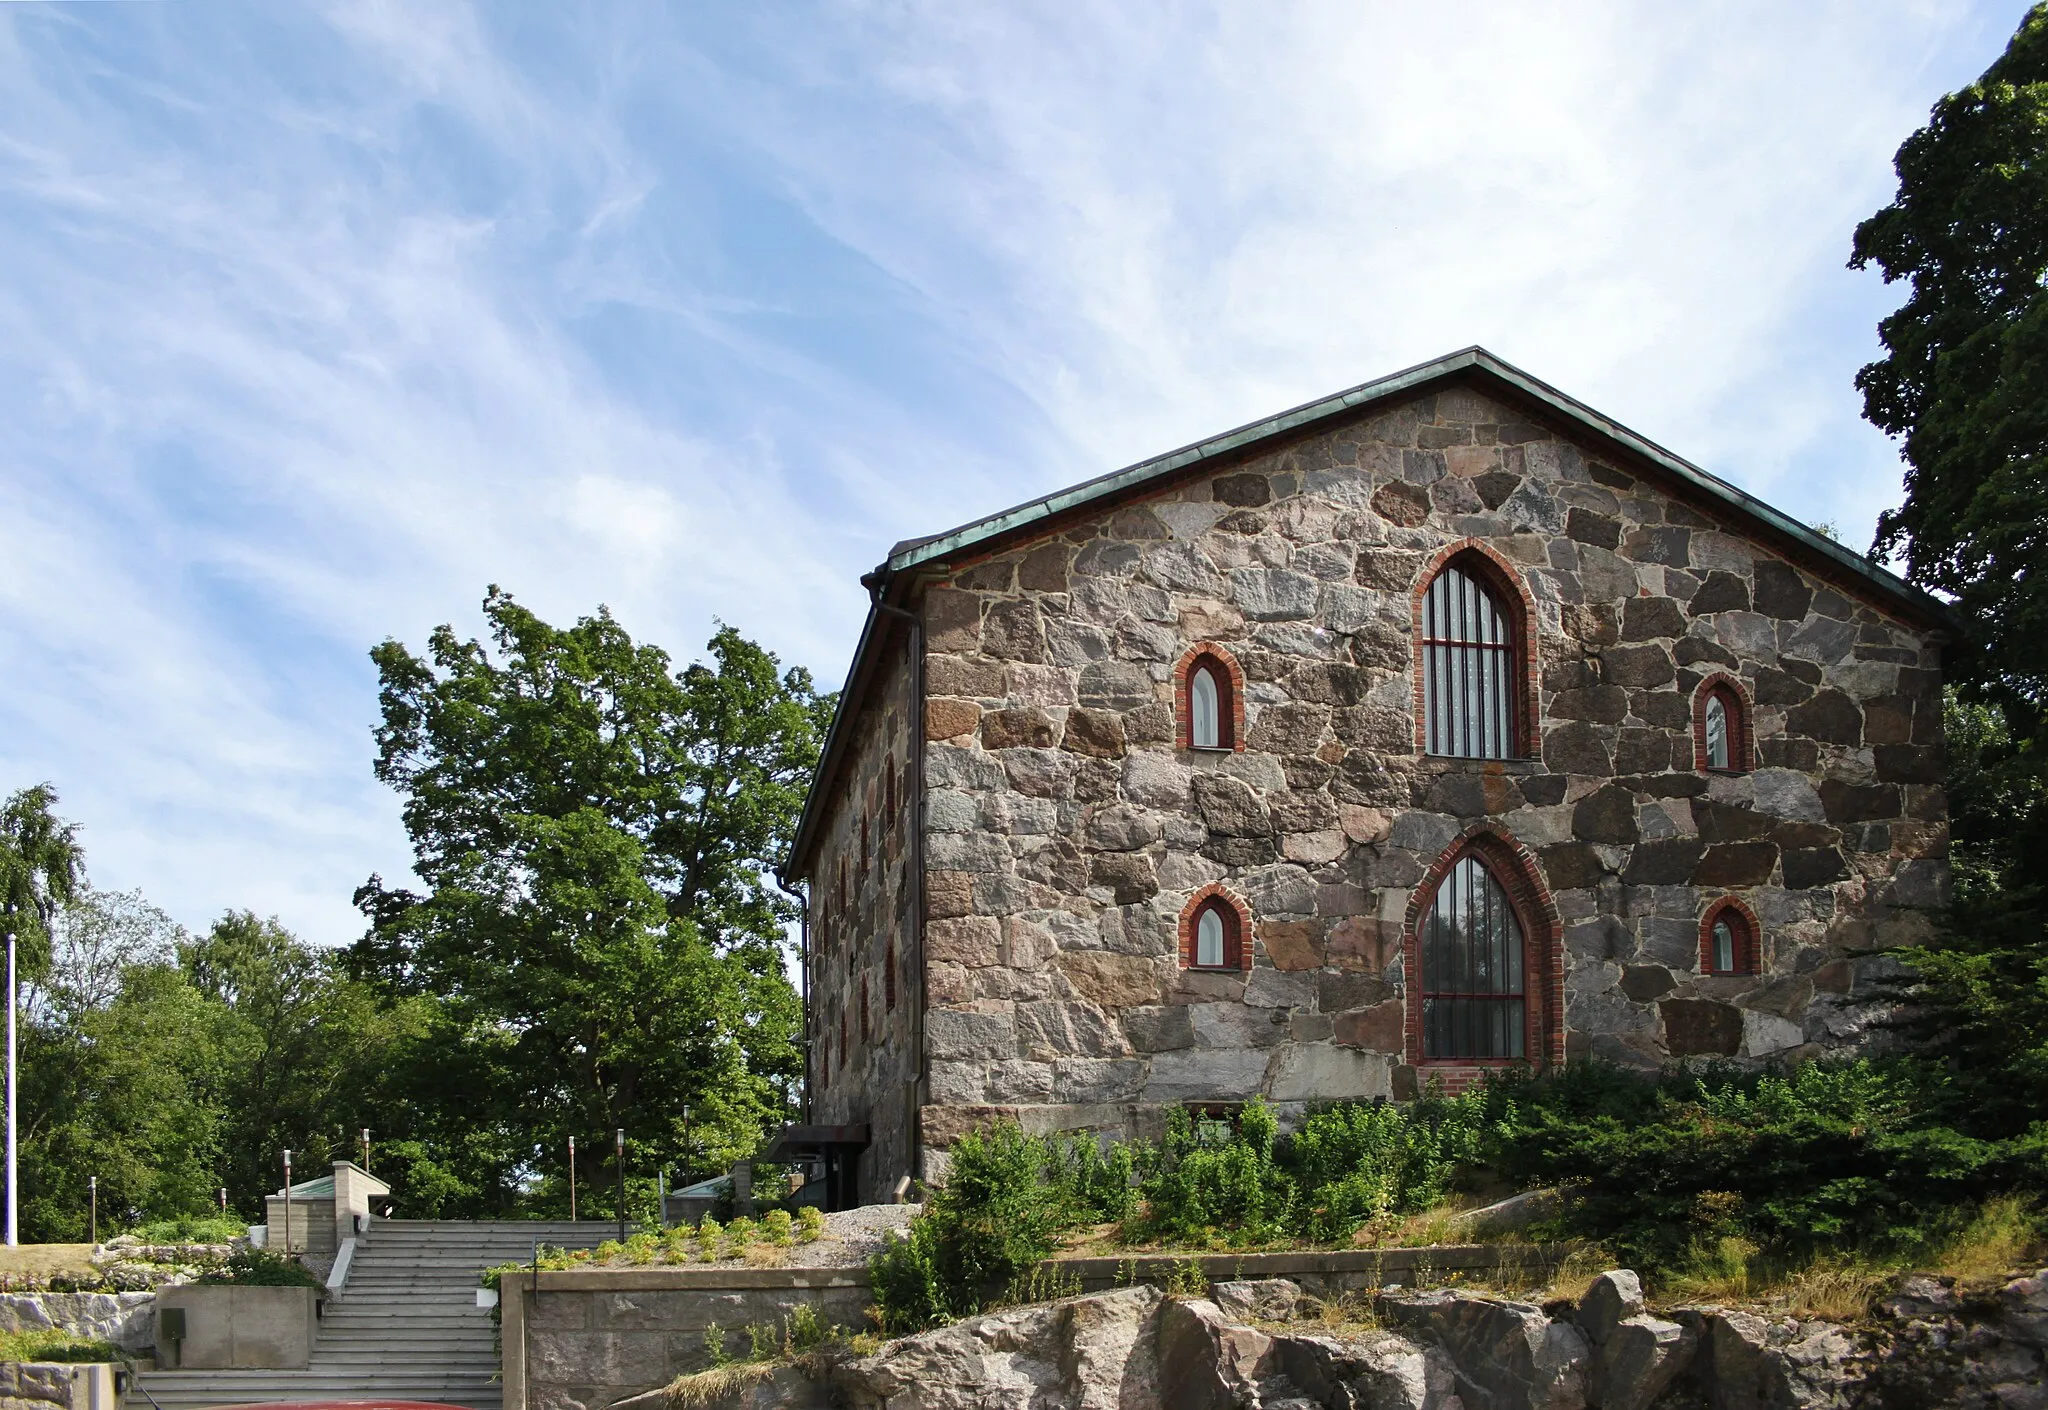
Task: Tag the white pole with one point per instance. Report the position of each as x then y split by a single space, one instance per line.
13 1205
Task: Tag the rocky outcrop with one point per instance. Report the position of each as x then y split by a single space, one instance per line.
128 1319
1245 1348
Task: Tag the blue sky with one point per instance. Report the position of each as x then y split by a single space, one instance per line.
314 321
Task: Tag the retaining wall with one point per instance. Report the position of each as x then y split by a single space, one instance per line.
588 1337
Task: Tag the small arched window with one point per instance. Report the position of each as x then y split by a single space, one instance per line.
1721 726
1209 700
1213 931
1470 667
1474 1004
1728 939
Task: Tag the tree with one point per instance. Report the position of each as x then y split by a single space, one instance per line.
596 834
1965 378
41 868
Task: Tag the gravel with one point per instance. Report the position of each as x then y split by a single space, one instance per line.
851 1235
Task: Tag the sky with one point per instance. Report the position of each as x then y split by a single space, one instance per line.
316 321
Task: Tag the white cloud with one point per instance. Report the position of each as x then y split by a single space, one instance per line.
319 321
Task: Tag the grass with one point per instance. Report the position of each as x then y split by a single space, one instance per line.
2005 1233
52 1345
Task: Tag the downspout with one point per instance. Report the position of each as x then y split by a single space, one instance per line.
875 583
804 994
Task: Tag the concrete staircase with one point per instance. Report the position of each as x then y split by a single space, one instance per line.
405 1327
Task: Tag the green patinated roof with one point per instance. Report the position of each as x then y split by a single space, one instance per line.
1473 365
322 1188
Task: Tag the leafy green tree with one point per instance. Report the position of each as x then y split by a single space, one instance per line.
303 1049
596 832
41 868
1964 380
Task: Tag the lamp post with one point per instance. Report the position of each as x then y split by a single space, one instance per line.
13 1181
92 1183
287 1250
621 1139
572 1179
366 1150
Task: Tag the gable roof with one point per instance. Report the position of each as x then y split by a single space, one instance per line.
1473 366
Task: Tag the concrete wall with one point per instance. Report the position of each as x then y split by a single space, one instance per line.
237 1328
866 962
593 1337
1068 831
354 1190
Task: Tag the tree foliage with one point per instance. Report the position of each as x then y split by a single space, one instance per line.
41 867
595 831
1964 380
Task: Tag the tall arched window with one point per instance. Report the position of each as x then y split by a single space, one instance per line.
1473 1000
1470 667
1721 726
1209 699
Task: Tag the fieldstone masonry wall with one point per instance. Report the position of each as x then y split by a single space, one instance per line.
1067 831
865 959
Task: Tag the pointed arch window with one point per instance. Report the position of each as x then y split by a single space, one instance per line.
1722 736
1205 697
1728 939
1474 968
1471 666
1213 930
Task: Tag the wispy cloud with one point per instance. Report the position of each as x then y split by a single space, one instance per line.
319 320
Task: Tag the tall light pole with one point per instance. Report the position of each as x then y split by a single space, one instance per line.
572 1179
622 1184
13 1178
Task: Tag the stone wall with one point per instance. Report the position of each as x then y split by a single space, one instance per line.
592 1337
865 960
1067 831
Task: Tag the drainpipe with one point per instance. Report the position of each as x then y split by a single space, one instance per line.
874 582
804 992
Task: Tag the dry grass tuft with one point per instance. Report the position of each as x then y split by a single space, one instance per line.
2005 1234
1834 1290
708 1387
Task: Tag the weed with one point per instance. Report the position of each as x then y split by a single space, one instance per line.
719 1386
1049 1281
810 1224
2001 1235
738 1235
1185 1278
776 1226
714 1345
762 1343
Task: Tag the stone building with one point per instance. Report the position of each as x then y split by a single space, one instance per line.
1434 727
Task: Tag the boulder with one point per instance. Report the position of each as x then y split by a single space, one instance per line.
1085 1353
1508 1355
1258 1299
1377 1371
1638 1361
1206 1361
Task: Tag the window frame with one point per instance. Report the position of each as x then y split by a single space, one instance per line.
1746 933
1235 915
1739 714
1228 678
1516 957
1516 870
1516 609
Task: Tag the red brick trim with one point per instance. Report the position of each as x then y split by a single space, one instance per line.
1237 928
1486 563
1521 877
1233 686
1741 723
1748 937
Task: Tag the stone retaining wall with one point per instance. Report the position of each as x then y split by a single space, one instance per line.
594 1336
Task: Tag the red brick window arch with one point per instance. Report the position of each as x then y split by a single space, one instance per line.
1723 739
1474 622
1215 930
1483 964
1730 939
1208 699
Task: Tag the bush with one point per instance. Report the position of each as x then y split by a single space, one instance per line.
192 1229
259 1267
1206 1177
999 1214
50 1344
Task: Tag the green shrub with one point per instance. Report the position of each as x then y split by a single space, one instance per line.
810 1224
192 1229
998 1215
738 1235
1206 1178
259 1267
